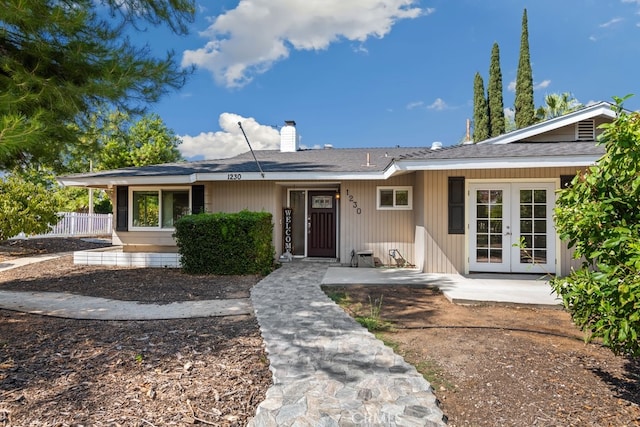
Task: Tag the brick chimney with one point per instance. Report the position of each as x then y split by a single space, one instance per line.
288 137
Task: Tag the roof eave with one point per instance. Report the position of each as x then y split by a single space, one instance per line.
596 110
497 163
107 182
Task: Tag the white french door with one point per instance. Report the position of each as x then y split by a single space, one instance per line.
511 227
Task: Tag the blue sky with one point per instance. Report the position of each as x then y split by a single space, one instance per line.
376 73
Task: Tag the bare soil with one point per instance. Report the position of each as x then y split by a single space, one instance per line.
489 365
62 372
504 366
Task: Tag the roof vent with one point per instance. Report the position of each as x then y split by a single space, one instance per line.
586 130
436 145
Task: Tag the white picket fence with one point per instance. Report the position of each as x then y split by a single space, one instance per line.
73 224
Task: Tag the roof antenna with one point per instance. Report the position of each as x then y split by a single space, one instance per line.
254 154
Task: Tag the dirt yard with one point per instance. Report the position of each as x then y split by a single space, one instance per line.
505 366
489 365
62 372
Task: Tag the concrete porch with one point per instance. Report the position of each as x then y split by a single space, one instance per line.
512 289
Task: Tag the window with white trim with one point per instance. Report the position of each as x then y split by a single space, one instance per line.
395 198
153 209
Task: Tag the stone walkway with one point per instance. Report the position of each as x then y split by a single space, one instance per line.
327 369
70 306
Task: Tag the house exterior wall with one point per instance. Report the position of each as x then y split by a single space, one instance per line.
256 196
446 253
364 227
141 241
564 134
223 196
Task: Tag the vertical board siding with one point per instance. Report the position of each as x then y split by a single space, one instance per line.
445 253
372 229
234 196
255 196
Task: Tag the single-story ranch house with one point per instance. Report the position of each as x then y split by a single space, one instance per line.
458 209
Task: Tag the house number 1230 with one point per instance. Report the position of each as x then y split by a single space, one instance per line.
354 203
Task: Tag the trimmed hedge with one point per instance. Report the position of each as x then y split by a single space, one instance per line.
226 243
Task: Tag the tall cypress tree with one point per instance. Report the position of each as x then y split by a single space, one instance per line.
480 111
525 110
496 104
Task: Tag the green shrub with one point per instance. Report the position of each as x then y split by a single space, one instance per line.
226 243
600 216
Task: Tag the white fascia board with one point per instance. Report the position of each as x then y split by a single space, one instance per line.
125 180
289 176
602 109
497 163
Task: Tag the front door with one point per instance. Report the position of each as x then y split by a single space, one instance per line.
511 228
321 224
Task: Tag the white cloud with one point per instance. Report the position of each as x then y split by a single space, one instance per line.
536 86
542 85
415 104
632 1
610 22
438 105
229 141
509 114
249 39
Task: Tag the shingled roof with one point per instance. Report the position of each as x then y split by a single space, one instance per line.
514 149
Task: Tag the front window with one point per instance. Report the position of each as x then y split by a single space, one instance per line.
158 208
395 198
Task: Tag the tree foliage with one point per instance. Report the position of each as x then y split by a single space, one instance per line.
480 110
496 103
25 206
600 216
524 103
61 59
148 141
556 105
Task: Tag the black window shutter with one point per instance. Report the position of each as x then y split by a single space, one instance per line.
197 199
456 205
122 208
565 181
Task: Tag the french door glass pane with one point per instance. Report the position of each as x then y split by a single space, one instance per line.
489 214
533 226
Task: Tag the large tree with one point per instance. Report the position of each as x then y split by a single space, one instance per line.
61 59
524 104
147 141
599 215
496 104
480 110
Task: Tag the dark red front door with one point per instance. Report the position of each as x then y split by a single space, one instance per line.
321 224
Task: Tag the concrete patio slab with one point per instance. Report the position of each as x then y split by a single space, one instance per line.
530 290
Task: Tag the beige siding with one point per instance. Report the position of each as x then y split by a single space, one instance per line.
256 196
373 229
563 134
234 196
219 197
444 253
